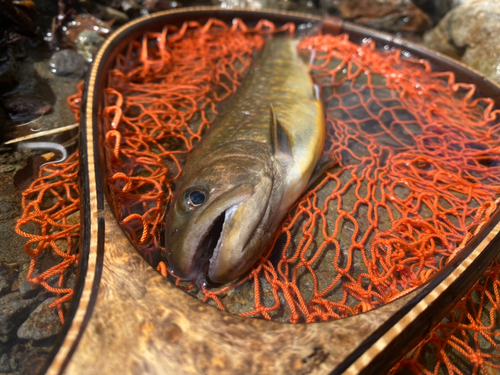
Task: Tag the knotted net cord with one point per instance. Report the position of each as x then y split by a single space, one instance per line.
417 173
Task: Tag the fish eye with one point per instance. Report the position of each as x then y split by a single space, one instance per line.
196 197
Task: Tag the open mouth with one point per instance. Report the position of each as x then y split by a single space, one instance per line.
207 248
210 245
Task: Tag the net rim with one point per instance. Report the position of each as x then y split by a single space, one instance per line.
93 188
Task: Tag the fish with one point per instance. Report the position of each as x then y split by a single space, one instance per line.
251 166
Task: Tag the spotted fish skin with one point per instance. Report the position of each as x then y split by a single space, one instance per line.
250 167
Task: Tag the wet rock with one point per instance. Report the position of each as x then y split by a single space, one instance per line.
4 285
84 22
4 363
8 272
13 312
436 9
8 70
125 5
157 5
73 218
26 288
87 44
21 107
107 13
471 33
41 324
68 62
32 361
389 15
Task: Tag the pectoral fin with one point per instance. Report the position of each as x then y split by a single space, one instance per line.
326 162
281 139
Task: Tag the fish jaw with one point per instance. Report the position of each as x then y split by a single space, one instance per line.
243 238
188 236
219 244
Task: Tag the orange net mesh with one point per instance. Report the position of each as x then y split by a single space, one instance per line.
418 175
467 341
52 203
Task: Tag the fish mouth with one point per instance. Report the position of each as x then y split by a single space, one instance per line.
207 249
211 244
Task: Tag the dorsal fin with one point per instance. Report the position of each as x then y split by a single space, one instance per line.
280 138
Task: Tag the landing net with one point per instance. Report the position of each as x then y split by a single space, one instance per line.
417 174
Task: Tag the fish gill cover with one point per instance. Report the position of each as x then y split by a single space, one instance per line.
417 177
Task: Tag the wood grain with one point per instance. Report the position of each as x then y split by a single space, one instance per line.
130 320
142 324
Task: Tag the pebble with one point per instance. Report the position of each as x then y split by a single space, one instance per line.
87 44
26 288
4 363
470 33
13 312
41 324
68 62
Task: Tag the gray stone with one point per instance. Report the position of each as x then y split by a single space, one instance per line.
87 44
41 324
470 33
14 311
4 285
26 288
4 363
68 62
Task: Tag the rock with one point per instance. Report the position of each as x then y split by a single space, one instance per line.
436 9
82 22
8 272
26 288
20 107
4 363
107 13
33 360
4 285
389 15
8 70
73 218
14 311
470 33
158 5
41 324
68 62
87 44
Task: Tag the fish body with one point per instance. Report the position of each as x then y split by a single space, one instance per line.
250 167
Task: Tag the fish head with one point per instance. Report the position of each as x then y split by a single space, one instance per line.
214 224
